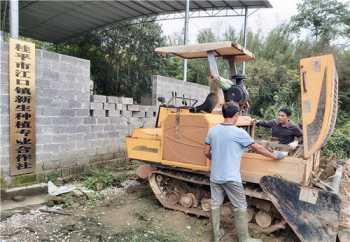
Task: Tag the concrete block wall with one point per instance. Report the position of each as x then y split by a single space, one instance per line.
164 87
73 127
135 115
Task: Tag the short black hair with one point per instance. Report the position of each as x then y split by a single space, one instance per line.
286 111
229 110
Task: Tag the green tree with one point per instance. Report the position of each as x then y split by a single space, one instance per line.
130 54
278 47
122 57
326 19
230 35
206 36
343 68
198 68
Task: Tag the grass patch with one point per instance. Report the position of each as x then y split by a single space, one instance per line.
25 180
98 179
53 176
94 198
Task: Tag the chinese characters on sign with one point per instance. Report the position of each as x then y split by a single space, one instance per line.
22 106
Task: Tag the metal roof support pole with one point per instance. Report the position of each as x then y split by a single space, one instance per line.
14 18
245 34
187 18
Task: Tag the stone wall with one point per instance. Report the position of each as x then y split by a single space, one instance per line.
164 87
74 128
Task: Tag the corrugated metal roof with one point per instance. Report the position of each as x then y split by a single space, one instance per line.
56 21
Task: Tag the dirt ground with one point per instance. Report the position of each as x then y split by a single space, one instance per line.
124 210
130 213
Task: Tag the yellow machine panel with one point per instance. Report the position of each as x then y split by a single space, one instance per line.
319 95
180 143
183 139
255 166
144 149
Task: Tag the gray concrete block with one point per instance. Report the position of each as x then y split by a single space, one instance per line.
99 113
90 120
4 99
50 55
109 128
4 87
70 59
114 113
44 120
97 128
49 76
148 108
96 106
60 138
49 148
138 114
98 99
133 107
109 106
4 138
90 136
150 114
126 114
112 99
44 139
149 122
75 104
62 121
48 111
135 122
142 108
102 120
66 147
44 129
125 100
81 112
119 106
67 112
79 129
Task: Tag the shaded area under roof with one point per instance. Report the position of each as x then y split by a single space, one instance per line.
57 21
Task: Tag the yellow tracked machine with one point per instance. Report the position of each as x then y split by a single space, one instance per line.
281 193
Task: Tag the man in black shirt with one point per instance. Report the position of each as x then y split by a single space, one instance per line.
282 128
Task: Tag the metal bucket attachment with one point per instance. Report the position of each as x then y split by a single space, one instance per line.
311 213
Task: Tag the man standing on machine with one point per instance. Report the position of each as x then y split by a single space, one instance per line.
225 144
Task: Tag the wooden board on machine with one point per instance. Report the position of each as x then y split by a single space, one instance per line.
225 48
